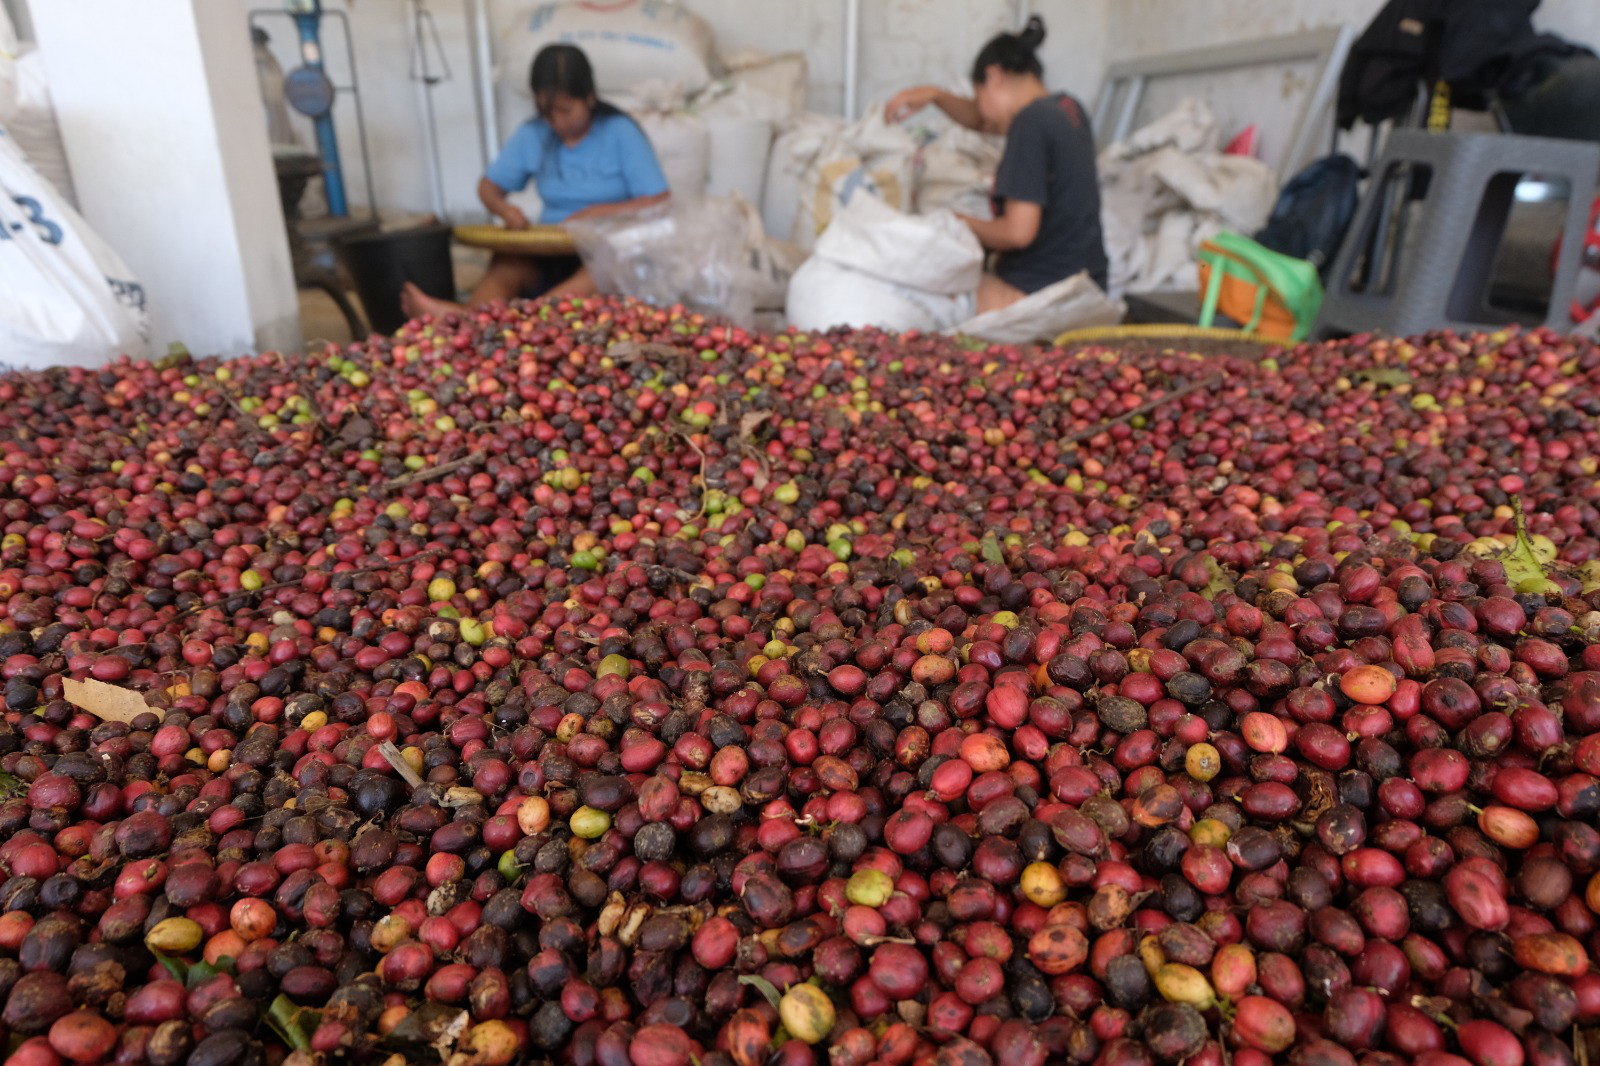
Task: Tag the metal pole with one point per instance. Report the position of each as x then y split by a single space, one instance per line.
354 89
483 79
424 79
309 25
852 56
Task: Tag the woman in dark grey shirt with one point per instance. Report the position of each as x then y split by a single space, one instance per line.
1046 193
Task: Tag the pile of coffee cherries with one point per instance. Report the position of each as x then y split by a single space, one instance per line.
594 683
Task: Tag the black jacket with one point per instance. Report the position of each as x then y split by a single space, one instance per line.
1478 46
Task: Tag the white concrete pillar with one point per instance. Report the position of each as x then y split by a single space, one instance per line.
161 118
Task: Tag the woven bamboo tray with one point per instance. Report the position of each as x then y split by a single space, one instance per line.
1148 331
535 240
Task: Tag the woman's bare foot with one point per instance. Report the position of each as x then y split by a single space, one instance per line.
416 303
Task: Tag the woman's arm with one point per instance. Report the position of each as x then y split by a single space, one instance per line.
908 102
1017 228
602 210
494 198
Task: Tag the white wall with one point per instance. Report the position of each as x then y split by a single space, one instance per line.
1075 47
903 42
148 97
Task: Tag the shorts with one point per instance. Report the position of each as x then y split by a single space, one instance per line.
553 270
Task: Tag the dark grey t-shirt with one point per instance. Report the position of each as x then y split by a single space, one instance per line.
1049 161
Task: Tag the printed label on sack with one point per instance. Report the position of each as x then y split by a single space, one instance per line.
842 177
129 294
47 231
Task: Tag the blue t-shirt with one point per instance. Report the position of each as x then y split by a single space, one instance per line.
613 162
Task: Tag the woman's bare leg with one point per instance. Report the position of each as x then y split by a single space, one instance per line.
580 284
507 278
416 303
993 293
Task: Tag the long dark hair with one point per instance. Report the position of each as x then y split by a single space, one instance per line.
1014 53
563 68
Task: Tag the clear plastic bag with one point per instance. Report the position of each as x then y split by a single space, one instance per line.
689 252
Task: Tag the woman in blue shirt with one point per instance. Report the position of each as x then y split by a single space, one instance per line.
586 157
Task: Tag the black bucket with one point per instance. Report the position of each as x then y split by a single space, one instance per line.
380 263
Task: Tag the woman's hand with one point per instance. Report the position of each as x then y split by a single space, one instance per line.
1017 228
908 102
513 217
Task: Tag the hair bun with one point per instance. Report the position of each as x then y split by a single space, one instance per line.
1032 34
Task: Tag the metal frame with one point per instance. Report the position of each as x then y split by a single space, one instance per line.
353 89
425 78
852 57
1125 81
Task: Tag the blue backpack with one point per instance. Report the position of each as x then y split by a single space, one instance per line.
1313 211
